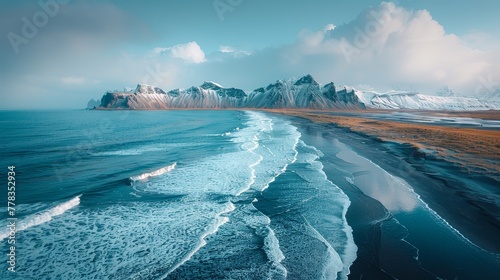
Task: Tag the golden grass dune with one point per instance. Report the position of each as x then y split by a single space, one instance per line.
478 149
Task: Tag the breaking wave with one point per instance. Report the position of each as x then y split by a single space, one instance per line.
155 173
43 216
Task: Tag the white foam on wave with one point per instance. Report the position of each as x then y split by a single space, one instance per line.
349 250
335 264
253 165
296 153
280 151
272 248
159 147
211 229
260 223
350 253
175 231
258 124
255 142
43 216
155 173
275 153
135 235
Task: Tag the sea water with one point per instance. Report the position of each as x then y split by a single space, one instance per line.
170 194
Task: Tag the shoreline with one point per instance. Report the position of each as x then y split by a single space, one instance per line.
485 114
473 150
457 197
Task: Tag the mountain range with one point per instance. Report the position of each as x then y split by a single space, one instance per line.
293 93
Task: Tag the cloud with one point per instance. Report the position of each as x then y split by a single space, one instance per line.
190 52
329 27
388 46
229 50
385 47
81 40
226 49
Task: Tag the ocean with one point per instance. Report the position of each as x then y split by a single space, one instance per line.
170 194
219 195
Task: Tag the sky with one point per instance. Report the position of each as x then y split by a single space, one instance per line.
58 54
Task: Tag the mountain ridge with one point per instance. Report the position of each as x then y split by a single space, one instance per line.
304 92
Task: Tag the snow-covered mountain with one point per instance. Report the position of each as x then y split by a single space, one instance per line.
418 101
302 93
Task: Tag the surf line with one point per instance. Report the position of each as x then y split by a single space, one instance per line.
255 142
44 216
272 248
212 229
283 170
219 219
349 253
155 173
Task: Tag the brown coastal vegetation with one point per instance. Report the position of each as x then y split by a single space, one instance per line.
472 149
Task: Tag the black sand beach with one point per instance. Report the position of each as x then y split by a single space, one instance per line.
461 244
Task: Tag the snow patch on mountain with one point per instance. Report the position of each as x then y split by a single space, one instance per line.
417 101
304 92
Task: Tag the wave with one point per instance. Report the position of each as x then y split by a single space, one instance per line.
212 229
158 172
134 151
334 265
43 216
273 250
251 150
340 258
146 149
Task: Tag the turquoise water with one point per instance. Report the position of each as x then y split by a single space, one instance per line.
215 195
170 194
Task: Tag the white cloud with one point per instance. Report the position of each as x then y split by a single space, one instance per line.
233 51
329 27
226 49
190 52
158 51
390 46
385 47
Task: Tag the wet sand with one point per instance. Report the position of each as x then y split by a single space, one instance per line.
466 197
473 150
